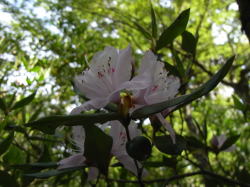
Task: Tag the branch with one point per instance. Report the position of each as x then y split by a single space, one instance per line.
177 177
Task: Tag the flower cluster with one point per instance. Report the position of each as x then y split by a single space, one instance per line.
109 74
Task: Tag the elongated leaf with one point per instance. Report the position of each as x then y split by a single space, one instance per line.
24 101
229 142
4 145
38 165
185 99
188 42
97 147
49 124
179 64
51 173
165 144
153 22
174 30
2 105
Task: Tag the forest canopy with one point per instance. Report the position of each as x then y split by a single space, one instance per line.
124 93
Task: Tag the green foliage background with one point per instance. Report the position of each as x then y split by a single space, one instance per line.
48 42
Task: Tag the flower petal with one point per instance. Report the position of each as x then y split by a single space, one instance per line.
167 126
123 67
129 164
72 161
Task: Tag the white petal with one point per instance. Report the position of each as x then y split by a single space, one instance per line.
79 137
167 126
129 164
123 67
149 59
72 161
133 130
221 140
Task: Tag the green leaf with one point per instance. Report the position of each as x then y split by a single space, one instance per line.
238 104
6 180
5 144
14 156
153 22
179 64
139 148
49 124
39 165
185 99
174 30
229 142
97 147
2 105
188 42
51 173
24 101
166 145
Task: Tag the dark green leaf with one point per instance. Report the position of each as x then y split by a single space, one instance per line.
6 180
165 144
153 23
14 155
174 30
97 147
49 124
2 105
194 143
185 99
229 142
4 145
39 165
139 148
179 64
238 104
51 173
24 101
188 42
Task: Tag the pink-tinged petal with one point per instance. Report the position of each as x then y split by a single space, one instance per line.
129 164
91 104
221 140
230 149
93 173
72 161
118 134
148 61
90 86
167 126
133 130
79 137
123 68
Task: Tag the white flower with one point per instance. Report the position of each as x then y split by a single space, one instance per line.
108 72
118 133
160 86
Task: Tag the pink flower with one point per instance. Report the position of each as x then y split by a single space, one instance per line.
118 133
108 72
160 86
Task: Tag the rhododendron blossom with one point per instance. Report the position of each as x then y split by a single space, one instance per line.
118 133
107 73
161 87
